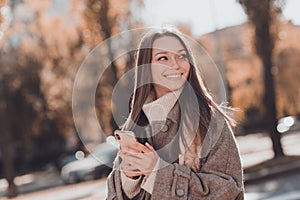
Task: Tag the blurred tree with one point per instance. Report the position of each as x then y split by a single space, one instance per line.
263 14
1 5
6 142
103 20
27 114
32 128
288 81
39 57
243 73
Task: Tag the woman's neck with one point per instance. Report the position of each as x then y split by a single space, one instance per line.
160 93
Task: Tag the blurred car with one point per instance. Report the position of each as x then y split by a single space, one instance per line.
95 165
288 123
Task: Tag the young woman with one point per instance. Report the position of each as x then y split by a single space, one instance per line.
185 148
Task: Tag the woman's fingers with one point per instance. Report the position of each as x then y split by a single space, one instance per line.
140 162
140 147
132 174
129 149
128 166
130 170
128 154
134 157
149 147
135 160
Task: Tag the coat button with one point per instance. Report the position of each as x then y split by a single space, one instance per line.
180 192
164 128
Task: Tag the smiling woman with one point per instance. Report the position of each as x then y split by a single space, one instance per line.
185 148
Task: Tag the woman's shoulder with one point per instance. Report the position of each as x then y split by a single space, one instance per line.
219 133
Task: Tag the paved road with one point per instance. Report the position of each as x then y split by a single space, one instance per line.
85 191
286 187
279 188
254 149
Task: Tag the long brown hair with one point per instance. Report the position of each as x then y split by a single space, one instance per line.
143 85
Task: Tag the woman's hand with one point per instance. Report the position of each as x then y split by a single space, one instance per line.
138 160
129 170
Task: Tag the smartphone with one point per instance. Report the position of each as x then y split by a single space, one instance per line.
125 138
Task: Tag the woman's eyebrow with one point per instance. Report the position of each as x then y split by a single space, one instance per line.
161 52
181 50
165 52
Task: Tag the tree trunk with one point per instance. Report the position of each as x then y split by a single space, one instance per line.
262 14
6 149
8 167
265 46
271 111
107 24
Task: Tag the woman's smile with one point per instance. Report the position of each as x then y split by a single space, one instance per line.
174 76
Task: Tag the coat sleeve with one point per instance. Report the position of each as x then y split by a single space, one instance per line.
220 177
114 185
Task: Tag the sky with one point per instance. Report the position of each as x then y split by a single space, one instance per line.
205 15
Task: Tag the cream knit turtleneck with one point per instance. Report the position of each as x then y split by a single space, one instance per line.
158 109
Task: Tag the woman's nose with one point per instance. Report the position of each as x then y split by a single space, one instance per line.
174 63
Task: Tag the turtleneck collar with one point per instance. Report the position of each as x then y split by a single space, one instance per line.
158 109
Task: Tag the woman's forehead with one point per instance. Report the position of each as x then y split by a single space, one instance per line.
167 43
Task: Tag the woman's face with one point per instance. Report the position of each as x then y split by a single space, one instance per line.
170 65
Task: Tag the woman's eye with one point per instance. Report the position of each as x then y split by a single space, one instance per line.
182 56
162 58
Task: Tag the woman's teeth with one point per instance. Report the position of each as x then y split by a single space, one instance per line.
173 76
